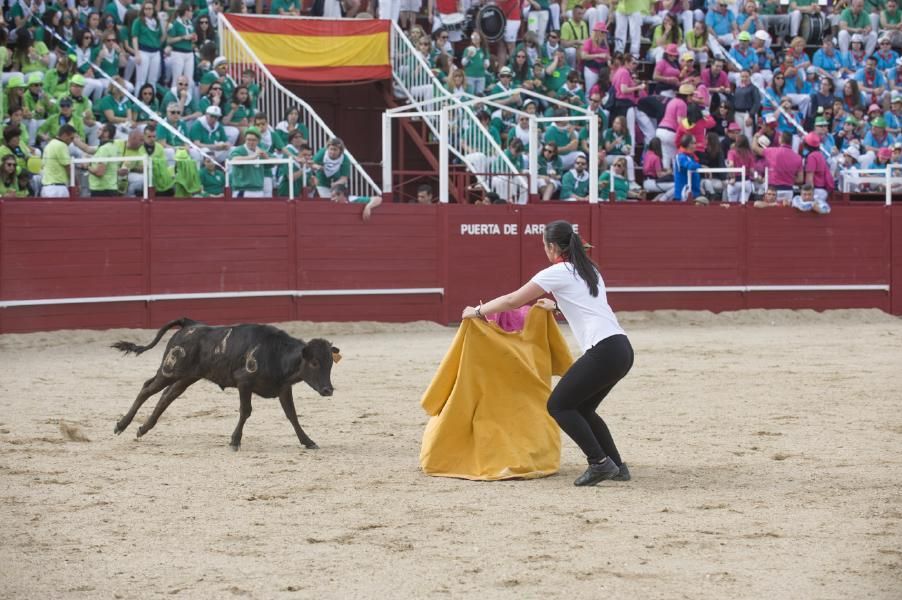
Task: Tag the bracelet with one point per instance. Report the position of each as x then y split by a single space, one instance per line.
556 309
479 312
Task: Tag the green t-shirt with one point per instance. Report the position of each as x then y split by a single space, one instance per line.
557 78
112 10
110 62
245 177
556 165
30 66
200 134
212 182
571 187
147 37
572 31
476 65
179 29
109 181
164 136
621 187
628 7
55 163
303 180
40 107
285 5
163 178
344 169
855 22
120 108
559 136
51 126
892 18
619 146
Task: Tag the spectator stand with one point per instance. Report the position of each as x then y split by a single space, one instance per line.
276 101
110 81
883 178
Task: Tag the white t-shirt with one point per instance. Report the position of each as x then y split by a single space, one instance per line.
591 319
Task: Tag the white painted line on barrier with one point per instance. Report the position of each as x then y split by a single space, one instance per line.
220 295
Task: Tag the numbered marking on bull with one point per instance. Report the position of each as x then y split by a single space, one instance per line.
172 357
220 349
189 331
250 363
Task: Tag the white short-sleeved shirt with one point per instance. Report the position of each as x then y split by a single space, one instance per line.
590 318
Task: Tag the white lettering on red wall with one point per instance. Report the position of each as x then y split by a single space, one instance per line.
504 228
539 228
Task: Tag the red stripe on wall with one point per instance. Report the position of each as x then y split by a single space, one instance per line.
308 27
330 74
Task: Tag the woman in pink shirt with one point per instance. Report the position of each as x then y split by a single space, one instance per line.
626 93
674 112
595 57
739 156
667 71
658 180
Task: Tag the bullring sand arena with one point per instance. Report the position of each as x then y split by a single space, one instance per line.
765 448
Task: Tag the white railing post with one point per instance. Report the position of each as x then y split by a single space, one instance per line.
443 156
290 179
533 156
386 154
228 169
889 185
593 160
743 197
146 173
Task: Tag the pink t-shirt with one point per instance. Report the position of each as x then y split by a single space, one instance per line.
674 112
783 164
720 81
623 77
738 161
589 47
665 69
816 163
651 165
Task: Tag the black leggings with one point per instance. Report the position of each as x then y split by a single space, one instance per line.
582 388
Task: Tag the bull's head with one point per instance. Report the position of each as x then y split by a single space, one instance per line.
317 358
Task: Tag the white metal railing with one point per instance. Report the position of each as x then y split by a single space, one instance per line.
229 164
743 196
466 137
882 177
275 100
146 167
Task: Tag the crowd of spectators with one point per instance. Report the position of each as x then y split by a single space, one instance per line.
680 85
677 85
70 71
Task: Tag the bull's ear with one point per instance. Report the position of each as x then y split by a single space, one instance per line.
336 356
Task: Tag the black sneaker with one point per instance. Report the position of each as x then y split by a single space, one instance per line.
623 475
596 473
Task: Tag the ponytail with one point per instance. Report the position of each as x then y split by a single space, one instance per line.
562 235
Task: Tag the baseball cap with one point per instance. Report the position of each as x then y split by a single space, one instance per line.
672 50
213 110
686 89
600 26
852 151
734 127
771 118
896 97
762 35
852 121
878 122
15 81
36 78
885 153
857 38
687 56
744 36
874 107
821 122
252 130
78 80
505 71
219 60
764 141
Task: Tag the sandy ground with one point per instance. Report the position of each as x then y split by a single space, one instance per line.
765 448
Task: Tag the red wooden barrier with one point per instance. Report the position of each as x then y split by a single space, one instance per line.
74 249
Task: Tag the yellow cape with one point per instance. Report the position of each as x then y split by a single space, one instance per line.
488 402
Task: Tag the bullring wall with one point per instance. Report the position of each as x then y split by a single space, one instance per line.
139 264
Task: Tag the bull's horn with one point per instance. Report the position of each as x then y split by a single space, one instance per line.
335 356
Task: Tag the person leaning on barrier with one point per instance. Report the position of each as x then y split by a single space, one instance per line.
332 166
424 195
301 172
103 177
339 194
246 181
55 166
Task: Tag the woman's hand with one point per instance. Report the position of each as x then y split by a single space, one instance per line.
546 304
470 312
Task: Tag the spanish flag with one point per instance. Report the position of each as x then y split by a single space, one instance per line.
318 50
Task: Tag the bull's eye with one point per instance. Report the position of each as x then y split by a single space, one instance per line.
314 363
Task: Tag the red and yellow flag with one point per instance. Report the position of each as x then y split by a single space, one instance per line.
319 50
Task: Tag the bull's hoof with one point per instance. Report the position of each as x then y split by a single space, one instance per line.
311 446
234 447
140 433
117 430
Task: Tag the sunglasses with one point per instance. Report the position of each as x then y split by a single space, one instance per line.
579 162
9 164
216 89
183 85
547 150
175 112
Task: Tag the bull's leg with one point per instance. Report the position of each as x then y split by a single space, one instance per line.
172 392
287 401
151 387
245 412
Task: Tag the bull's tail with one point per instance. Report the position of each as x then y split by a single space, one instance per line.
129 347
